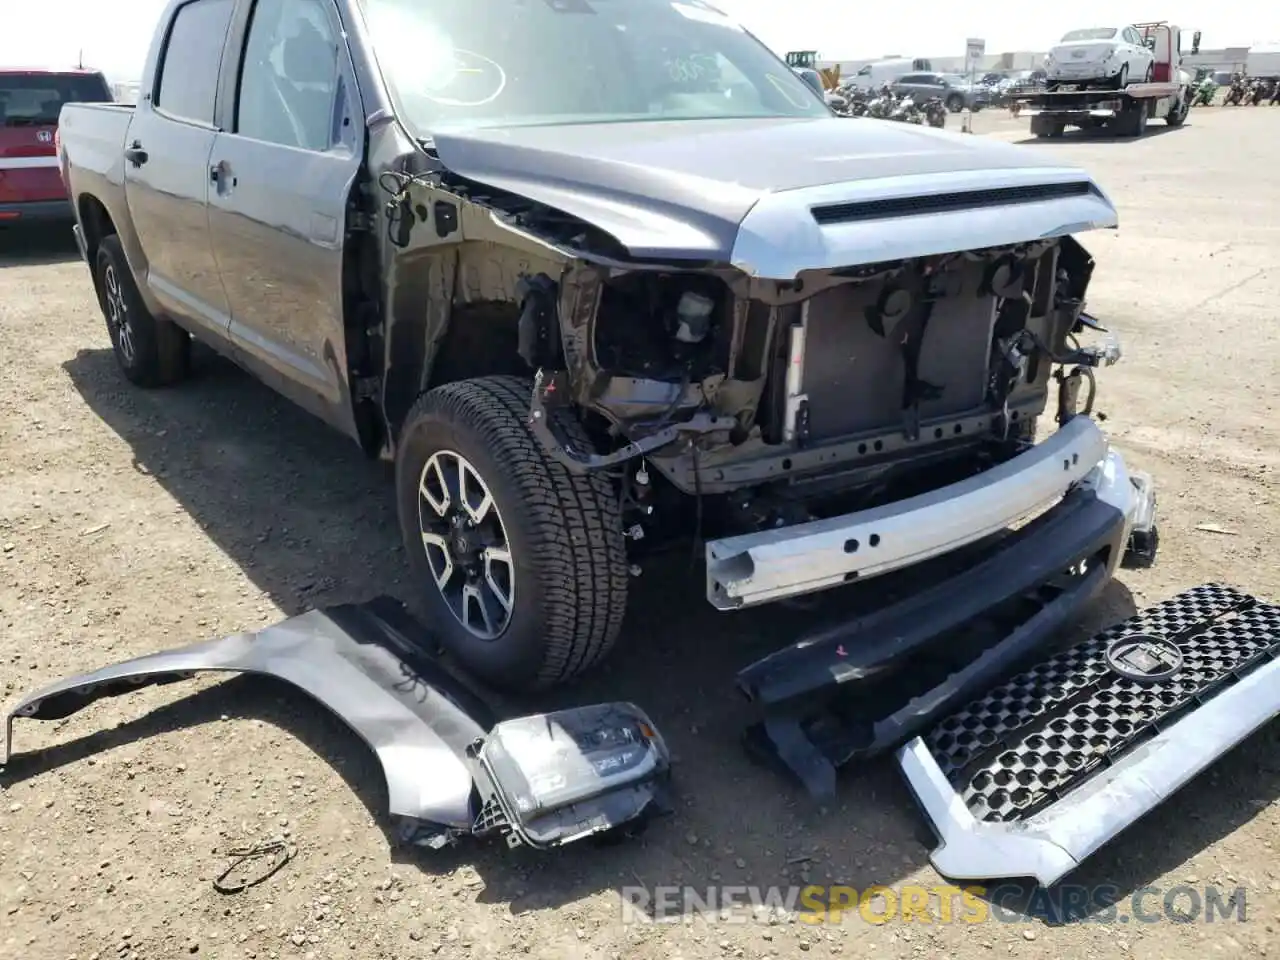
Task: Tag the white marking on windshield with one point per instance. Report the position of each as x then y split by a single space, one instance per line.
705 15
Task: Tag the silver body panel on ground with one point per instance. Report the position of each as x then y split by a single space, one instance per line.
1054 841
416 731
790 561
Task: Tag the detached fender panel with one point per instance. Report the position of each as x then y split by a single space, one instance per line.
367 663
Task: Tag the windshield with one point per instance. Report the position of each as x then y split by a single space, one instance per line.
500 63
955 79
36 99
1093 33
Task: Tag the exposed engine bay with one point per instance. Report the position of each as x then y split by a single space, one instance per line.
724 402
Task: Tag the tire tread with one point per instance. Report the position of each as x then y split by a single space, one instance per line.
578 552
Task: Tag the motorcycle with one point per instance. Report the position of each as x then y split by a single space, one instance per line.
906 111
1235 93
1275 94
855 102
935 112
1257 91
1205 93
880 106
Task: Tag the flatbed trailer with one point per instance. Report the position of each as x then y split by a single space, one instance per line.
1125 112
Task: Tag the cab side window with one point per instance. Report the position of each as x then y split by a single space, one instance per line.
289 75
188 81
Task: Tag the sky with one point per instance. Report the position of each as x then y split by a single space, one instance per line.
114 34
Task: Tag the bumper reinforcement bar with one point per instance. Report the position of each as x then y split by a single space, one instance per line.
1034 775
790 561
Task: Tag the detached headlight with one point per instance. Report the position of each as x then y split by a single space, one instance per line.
559 777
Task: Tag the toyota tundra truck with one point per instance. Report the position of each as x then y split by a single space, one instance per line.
603 277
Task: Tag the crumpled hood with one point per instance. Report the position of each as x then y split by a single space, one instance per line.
686 189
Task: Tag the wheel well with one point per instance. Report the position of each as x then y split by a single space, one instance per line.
480 340
96 223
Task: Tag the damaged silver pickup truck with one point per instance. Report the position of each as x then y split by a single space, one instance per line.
820 346
603 276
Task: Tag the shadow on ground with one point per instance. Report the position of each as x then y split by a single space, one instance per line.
312 523
36 246
1158 129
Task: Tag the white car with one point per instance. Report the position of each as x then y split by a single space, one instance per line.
1115 55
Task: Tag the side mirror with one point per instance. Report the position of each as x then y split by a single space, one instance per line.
1195 42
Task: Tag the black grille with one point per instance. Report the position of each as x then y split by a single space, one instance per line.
947 202
1034 738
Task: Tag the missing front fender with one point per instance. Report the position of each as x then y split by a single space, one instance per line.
550 392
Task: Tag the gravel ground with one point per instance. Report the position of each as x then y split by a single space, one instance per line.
132 521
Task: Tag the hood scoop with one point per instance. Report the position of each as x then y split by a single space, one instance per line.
862 210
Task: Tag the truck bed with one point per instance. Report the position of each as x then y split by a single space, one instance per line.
1071 98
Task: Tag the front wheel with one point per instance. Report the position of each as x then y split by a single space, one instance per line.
955 103
522 562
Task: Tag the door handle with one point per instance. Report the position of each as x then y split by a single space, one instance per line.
135 154
220 175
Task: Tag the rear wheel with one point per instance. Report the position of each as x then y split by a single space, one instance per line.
522 562
955 103
1122 78
152 351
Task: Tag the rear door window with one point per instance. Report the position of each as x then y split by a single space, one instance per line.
35 99
192 58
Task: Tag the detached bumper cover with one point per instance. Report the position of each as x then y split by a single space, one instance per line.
774 564
1039 772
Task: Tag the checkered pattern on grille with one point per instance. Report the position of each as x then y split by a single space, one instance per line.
1026 742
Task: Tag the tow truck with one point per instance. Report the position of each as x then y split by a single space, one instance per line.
1124 112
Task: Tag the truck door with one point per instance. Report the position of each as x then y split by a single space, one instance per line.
283 168
167 168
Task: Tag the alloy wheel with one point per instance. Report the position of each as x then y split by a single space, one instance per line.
118 318
466 544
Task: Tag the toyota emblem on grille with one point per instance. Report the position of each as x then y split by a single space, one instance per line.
1144 658
44 136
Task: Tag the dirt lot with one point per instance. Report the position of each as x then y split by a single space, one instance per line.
132 521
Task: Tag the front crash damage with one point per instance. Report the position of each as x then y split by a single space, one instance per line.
452 769
821 372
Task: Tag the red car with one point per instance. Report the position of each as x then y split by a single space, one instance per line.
31 186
